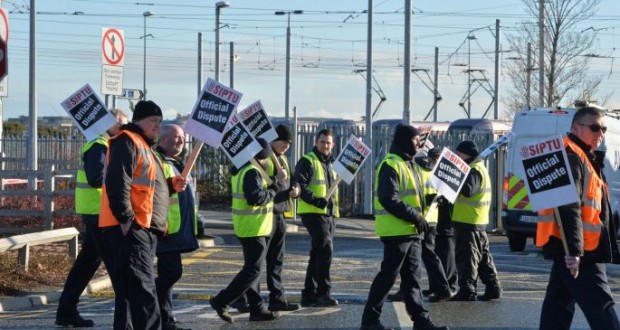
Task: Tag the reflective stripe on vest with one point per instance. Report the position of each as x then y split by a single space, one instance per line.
474 210
591 205
142 187
174 210
271 170
87 197
387 224
249 220
318 187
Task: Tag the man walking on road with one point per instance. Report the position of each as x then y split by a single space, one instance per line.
470 217
315 176
89 179
579 274
134 209
399 223
182 225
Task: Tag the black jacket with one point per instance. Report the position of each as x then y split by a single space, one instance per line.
94 163
303 175
280 201
253 190
184 240
119 178
570 214
388 186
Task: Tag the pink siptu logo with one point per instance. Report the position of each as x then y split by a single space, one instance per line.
524 152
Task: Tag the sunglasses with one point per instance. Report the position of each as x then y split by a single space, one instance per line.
595 127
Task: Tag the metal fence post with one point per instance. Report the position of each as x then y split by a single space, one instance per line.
49 184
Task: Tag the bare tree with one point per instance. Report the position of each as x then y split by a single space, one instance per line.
567 49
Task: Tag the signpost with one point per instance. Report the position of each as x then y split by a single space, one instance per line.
112 60
132 94
449 174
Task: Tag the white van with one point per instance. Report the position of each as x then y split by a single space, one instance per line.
518 219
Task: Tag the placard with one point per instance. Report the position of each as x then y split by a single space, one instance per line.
88 112
548 177
255 118
239 144
212 112
449 174
351 159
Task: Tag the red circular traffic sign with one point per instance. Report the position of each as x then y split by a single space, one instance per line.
113 47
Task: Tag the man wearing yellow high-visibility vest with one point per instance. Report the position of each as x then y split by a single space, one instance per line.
470 217
282 209
89 179
182 224
315 175
252 213
400 224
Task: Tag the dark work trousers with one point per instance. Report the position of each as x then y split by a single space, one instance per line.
84 267
275 259
400 256
321 230
473 258
444 248
169 271
113 239
136 277
437 281
590 290
248 279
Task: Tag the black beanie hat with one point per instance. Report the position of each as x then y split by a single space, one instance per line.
402 138
284 134
434 153
263 154
145 109
468 148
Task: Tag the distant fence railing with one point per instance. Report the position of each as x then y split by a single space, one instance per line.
212 169
19 200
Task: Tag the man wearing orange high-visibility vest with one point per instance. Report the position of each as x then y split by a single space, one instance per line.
579 275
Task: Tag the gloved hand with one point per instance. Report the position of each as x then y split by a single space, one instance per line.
572 263
321 203
421 225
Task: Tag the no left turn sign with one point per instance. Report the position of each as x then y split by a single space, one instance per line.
113 47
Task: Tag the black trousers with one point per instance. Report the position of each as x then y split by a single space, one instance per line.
473 258
247 281
135 277
444 248
400 256
113 239
169 271
590 290
275 259
436 276
321 230
84 267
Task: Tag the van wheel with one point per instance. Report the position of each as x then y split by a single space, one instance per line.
516 241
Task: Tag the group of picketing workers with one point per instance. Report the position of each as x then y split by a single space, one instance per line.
135 205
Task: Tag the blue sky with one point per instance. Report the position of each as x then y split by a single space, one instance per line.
328 45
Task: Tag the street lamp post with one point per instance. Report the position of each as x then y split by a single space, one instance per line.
145 14
287 88
470 37
218 6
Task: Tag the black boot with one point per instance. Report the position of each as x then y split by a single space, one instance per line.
493 291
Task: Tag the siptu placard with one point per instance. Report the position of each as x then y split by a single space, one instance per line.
239 144
88 112
255 118
351 159
212 112
547 173
449 174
